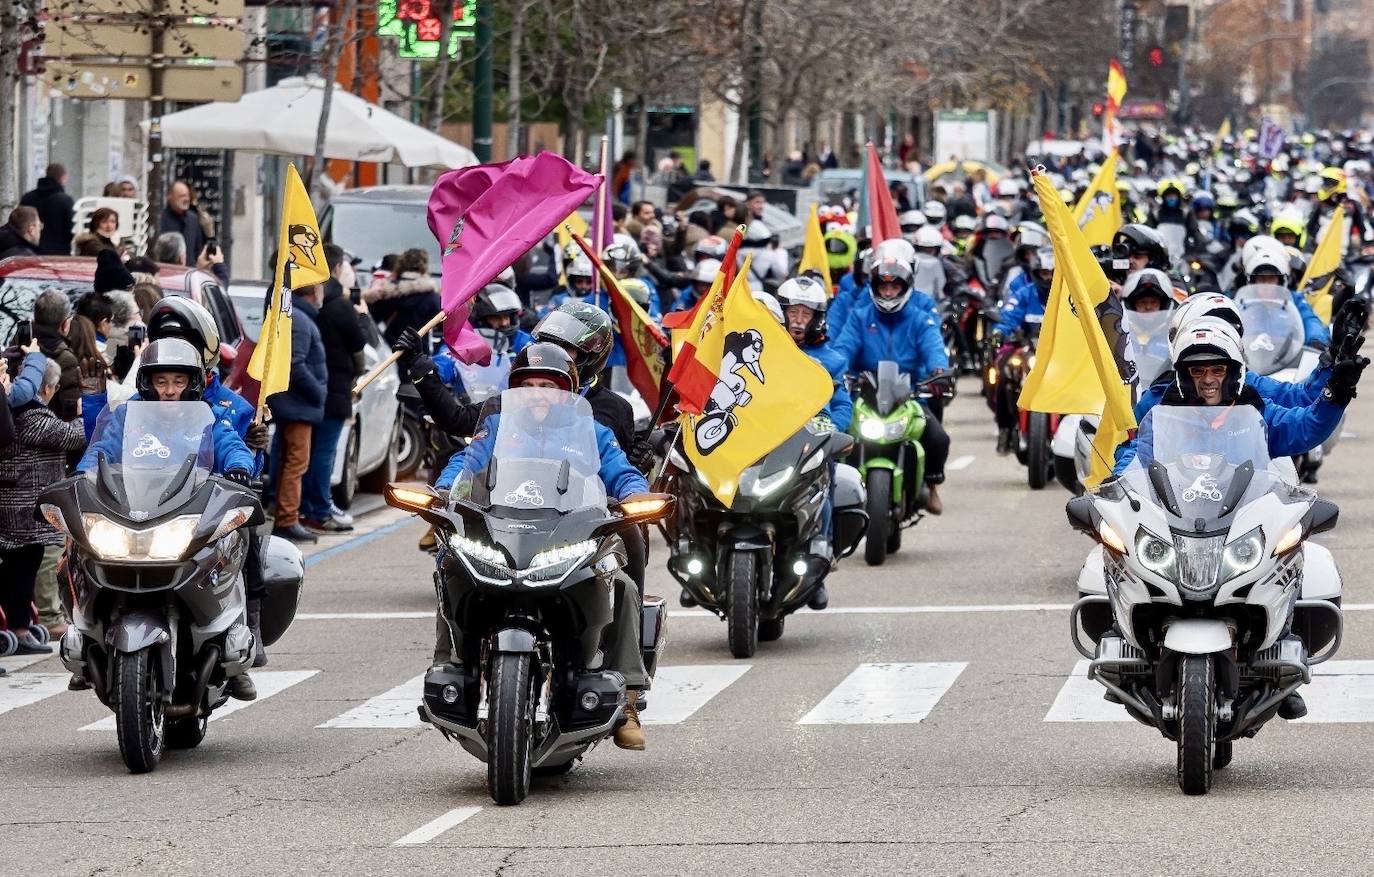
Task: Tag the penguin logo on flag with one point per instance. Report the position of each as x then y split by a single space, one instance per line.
304 240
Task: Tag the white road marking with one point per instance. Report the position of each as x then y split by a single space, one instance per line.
680 691
432 829
959 463
1341 691
361 616
1080 700
19 662
885 694
803 613
268 682
392 709
22 689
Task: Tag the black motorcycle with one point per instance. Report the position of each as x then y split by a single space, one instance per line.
763 557
530 580
152 576
966 321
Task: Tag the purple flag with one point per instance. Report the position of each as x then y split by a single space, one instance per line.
487 216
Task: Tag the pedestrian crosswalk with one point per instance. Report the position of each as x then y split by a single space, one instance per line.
870 694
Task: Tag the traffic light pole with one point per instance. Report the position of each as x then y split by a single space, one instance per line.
482 84
158 107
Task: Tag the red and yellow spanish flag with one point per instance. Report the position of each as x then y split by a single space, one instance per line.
695 367
683 319
1116 84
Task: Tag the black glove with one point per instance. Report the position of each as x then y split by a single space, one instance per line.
418 367
1345 375
257 437
409 345
238 476
1348 327
641 455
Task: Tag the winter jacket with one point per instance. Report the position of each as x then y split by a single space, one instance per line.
6 423
911 337
1022 306
92 243
233 411
12 243
1281 393
230 451
54 208
189 226
54 346
1314 330
36 460
24 386
613 411
303 400
619 477
406 303
840 408
343 347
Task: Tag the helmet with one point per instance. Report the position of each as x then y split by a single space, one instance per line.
1203 198
806 292
1167 185
911 220
840 248
638 290
1289 223
506 277
706 271
172 355
757 233
1263 254
1206 343
496 300
580 267
623 258
176 316
934 211
1043 260
1031 234
1333 183
1144 283
583 328
964 222
894 248
928 237
1203 305
772 304
710 247
545 359
1243 224
995 222
890 270
1137 238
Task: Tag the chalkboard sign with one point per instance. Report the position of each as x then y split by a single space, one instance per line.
209 173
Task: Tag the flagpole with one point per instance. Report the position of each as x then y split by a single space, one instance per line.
391 360
283 288
599 217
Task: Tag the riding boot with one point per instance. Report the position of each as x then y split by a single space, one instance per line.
934 505
631 734
241 687
255 625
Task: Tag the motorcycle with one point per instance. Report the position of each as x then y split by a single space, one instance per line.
761 559
1205 602
1035 430
888 424
530 577
152 578
966 321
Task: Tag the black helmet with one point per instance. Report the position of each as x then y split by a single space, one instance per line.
174 355
545 360
1137 238
583 328
497 299
178 317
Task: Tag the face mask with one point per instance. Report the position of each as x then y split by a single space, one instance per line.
1171 201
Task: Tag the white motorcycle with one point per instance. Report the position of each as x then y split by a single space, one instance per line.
1205 602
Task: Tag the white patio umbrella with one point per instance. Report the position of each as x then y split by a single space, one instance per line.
282 119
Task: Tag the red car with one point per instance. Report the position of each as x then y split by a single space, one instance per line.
22 278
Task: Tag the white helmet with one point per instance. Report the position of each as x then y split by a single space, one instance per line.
772 304
1146 281
506 277
1204 304
706 271
929 237
935 212
580 267
911 220
895 248
757 233
803 290
1044 259
964 222
1031 234
995 222
1209 341
1264 253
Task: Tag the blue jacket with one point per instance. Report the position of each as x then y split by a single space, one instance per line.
911 337
1314 330
841 304
230 451
840 408
1023 301
620 478
303 401
24 386
233 411
1281 393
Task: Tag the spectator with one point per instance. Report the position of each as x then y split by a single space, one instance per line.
128 187
169 248
182 216
118 352
409 300
147 293
343 354
644 213
54 207
24 387
730 215
621 175
100 233
36 460
110 273
141 265
52 320
95 373
703 174
755 204
792 169
20 236
111 190
297 410
99 310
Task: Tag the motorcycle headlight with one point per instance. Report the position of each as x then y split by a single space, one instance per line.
762 487
895 429
812 462
1156 555
107 539
482 560
554 563
164 543
1242 555
872 429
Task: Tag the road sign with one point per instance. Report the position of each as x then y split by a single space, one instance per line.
133 41
112 81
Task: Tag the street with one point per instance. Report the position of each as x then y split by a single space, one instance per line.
933 720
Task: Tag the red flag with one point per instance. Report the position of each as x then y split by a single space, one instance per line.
882 216
681 319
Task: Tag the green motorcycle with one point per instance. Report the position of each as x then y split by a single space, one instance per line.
887 426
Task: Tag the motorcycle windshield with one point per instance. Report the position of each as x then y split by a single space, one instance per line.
1273 335
481 382
535 450
1174 237
1149 334
163 447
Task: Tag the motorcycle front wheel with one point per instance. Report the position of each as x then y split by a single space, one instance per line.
139 720
1197 723
879 485
1039 457
510 741
742 603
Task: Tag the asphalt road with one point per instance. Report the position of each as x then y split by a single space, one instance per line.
928 722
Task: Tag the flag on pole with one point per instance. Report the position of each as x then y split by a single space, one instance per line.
882 216
761 390
1098 212
683 319
300 263
1321 271
1075 372
1224 130
696 364
814 258
1116 83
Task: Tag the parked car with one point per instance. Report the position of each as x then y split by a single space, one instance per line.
373 221
831 185
22 278
369 443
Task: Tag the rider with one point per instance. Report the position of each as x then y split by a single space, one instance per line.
1025 307
1142 246
890 323
1332 194
496 316
1147 291
1289 229
1266 261
581 277
546 365
173 370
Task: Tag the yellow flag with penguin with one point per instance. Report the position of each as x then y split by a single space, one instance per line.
813 257
1098 212
766 389
1321 271
300 263
1075 372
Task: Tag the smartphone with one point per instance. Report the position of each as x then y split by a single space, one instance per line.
356 296
23 333
211 247
137 335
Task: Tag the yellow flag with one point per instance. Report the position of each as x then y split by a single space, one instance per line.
1321 271
813 256
766 389
573 225
1098 212
1074 370
1224 130
1116 83
300 263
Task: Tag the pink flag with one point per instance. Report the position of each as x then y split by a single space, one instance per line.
486 217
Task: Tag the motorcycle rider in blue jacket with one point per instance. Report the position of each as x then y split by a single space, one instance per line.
1266 261
496 317
891 324
1023 312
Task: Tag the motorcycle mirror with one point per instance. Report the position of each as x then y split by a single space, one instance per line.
411 497
1322 516
1082 516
